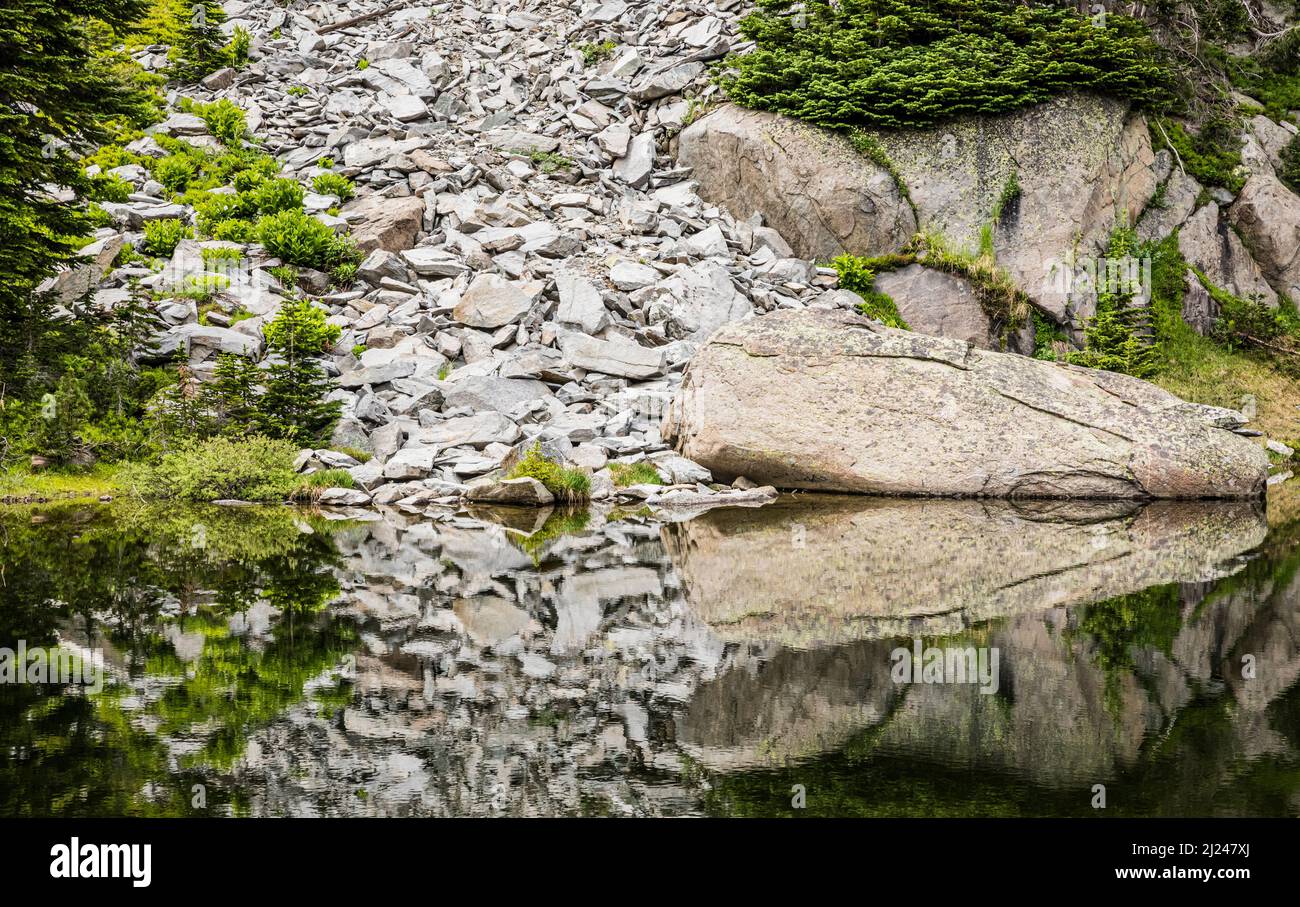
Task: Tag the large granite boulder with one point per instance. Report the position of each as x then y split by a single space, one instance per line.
1268 215
824 197
829 400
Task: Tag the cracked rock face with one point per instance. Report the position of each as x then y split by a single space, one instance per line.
831 401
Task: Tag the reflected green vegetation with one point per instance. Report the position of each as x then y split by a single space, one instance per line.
281 663
169 595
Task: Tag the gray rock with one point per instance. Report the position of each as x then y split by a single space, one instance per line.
778 399
491 302
612 357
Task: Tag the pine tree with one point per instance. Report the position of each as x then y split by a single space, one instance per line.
200 48
233 394
61 95
293 406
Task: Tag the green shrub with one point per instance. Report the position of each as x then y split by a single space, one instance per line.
108 187
215 259
161 237
276 195
234 230
904 63
857 276
1213 155
249 469
225 120
297 238
175 171
594 53
568 485
642 473
1115 339
334 184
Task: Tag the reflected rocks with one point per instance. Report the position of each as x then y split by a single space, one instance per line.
808 571
526 662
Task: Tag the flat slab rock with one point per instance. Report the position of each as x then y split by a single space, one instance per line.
829 400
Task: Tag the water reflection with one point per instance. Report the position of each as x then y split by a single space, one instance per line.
523 663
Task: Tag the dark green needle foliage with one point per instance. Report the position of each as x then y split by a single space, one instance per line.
62 94
909 63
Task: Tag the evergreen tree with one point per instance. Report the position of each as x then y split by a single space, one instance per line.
233 394
61 95
293 406
200 48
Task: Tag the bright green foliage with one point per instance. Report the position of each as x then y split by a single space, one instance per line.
594 53
568 485
297 238
162 236
293 405
274 196
1213 155
250 469
642 473
106 187
547 161
61 94
857 276
1047 334
334 184
901 63
224 119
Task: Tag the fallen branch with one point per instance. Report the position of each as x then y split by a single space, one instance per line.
357 20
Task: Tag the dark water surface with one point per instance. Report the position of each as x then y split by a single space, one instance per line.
277 662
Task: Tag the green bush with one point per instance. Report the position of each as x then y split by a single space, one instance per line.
857 276
334 184
568 485
276 195
108 187
297 238
1213 155
225 120
175 171
162 236
248 469
906 63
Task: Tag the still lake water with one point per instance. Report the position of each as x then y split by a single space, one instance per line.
270 661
